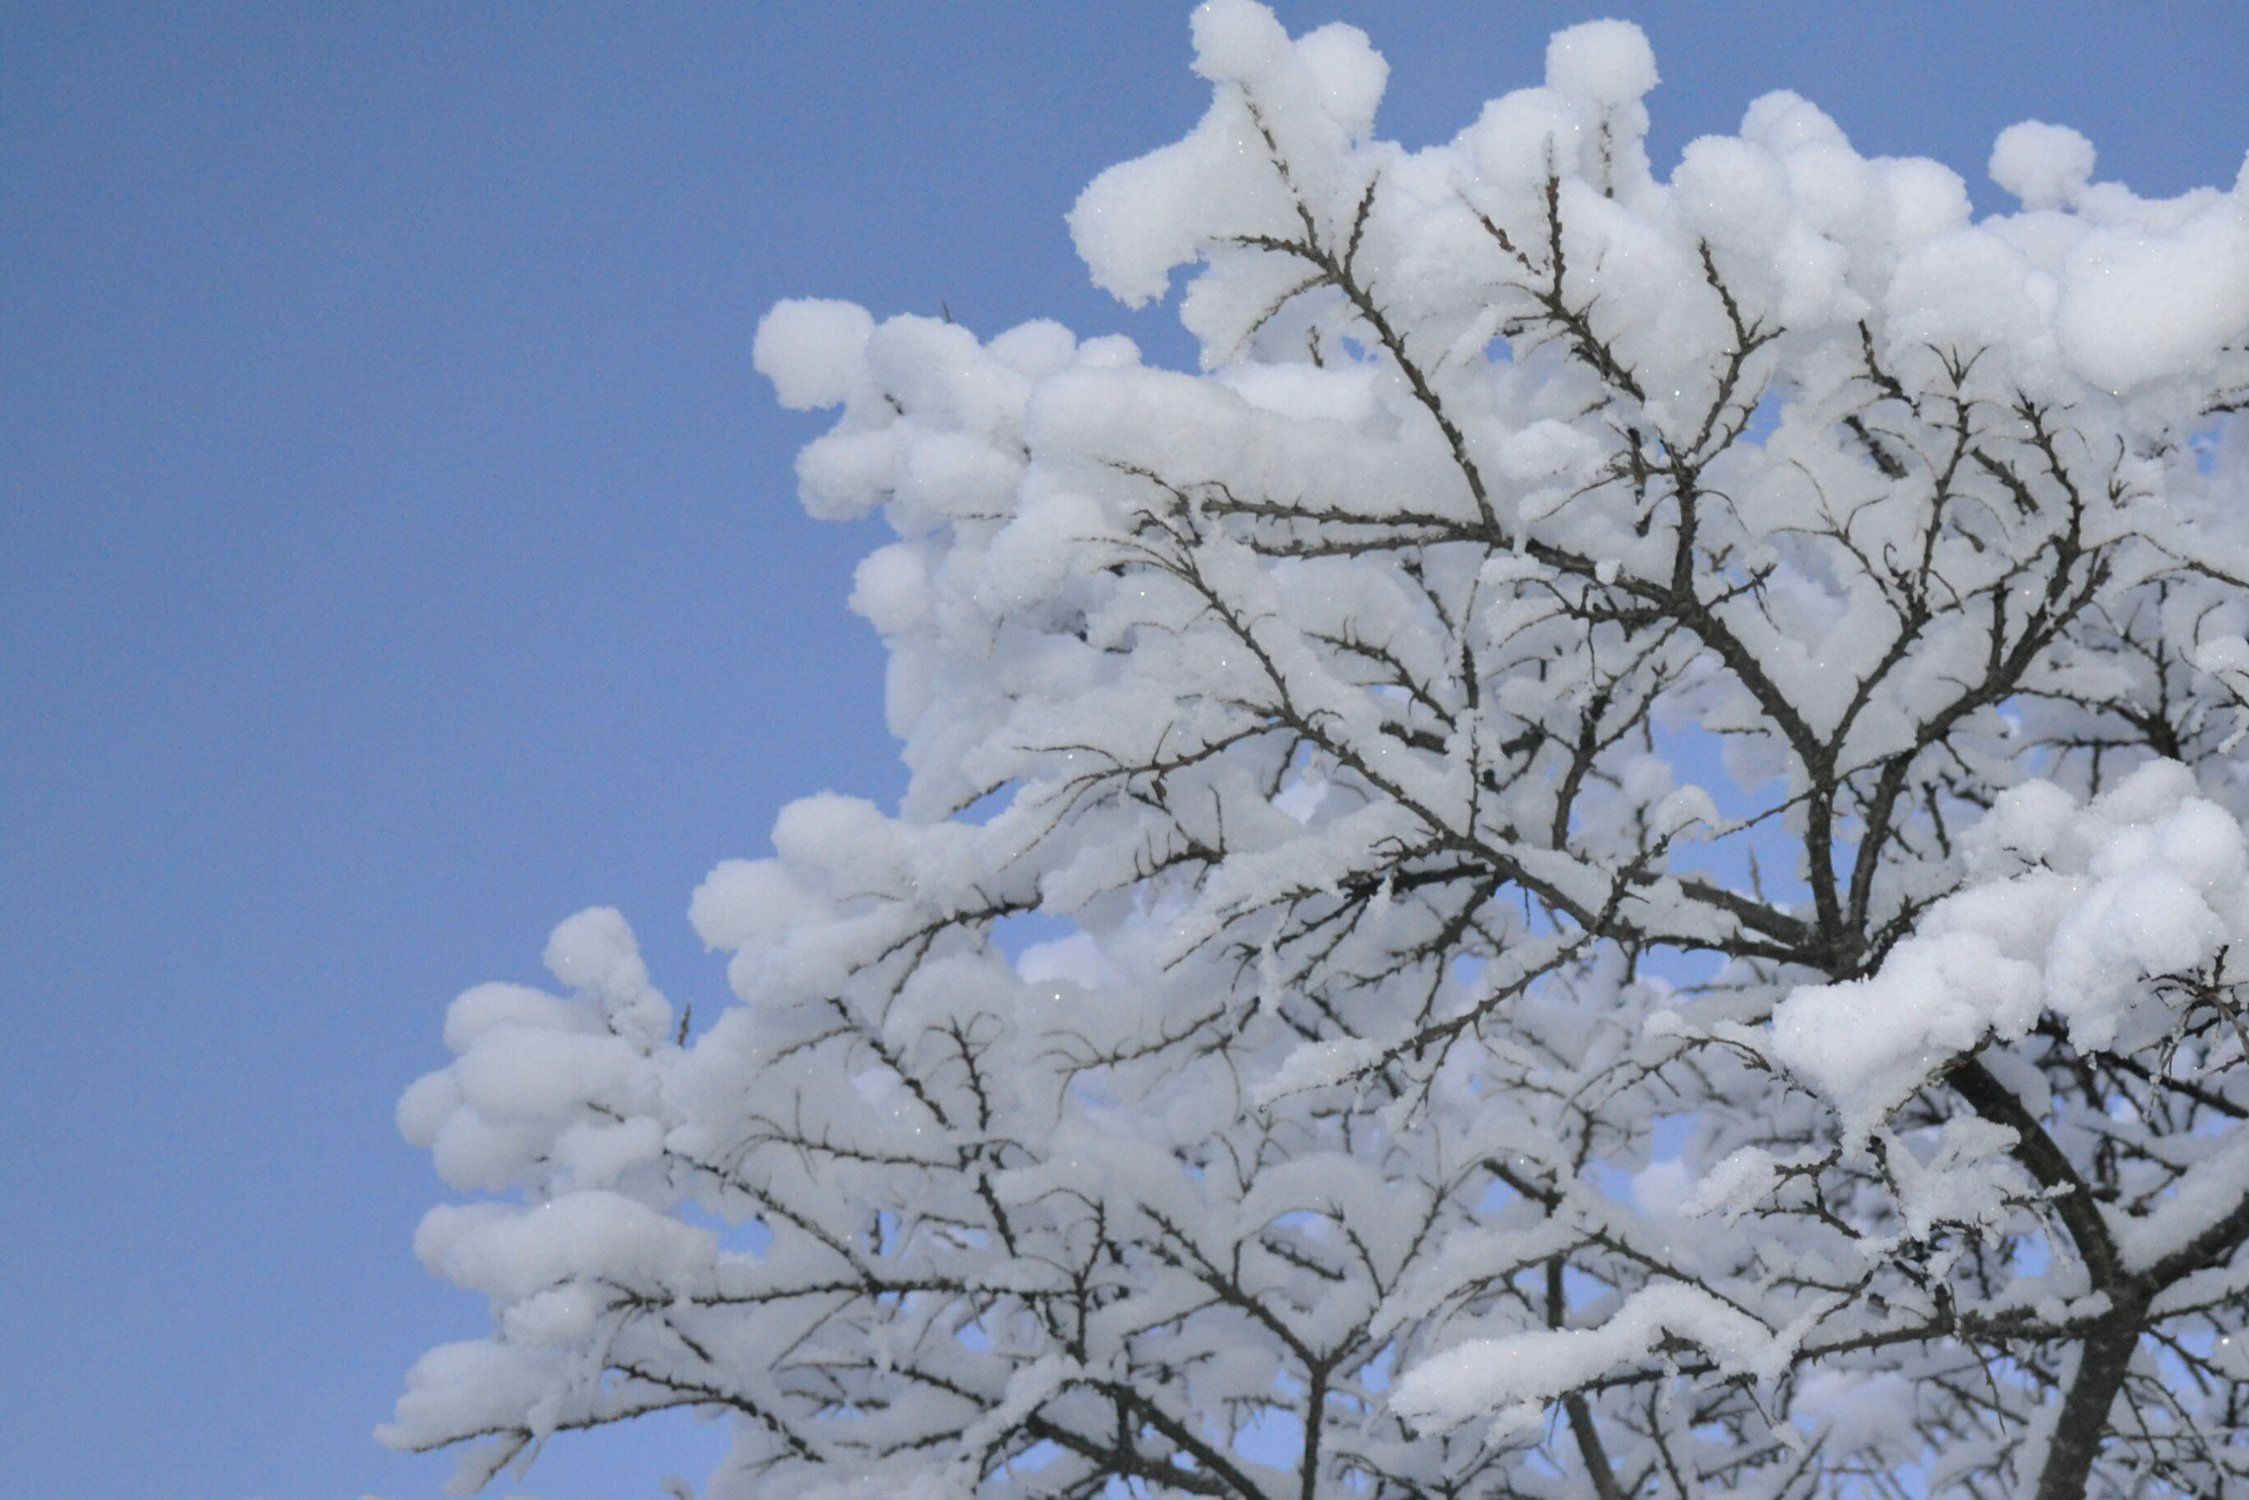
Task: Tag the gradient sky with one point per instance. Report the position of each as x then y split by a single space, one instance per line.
397 554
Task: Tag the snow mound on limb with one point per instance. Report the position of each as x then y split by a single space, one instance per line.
2073 911
1516 1375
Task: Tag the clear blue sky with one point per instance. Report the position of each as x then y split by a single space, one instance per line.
397 553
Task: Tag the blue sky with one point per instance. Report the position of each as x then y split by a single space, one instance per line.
397 554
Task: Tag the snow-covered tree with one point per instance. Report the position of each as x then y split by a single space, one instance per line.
1605 860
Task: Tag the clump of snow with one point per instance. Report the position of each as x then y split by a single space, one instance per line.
1859 1411
1039 348
1318 1065
743 899
1735 1186
2078 909
1349 73
2139 304
595 950
1237 41
1684 808
813 350
1139 220
1306 392
1606 63
1785 122
890 589
596 953
1926 199
476 1386
1523 138
2046 166
2226 658
1548 450
1869 1043
2223 656
1733 192
584 1235
1969 289
484 1007
544 1089
1049 539
1510 1379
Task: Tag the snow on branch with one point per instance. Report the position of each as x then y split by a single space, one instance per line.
1604 859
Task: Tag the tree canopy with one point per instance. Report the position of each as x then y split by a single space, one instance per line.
1604 860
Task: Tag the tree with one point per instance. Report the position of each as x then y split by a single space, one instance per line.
1606 860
